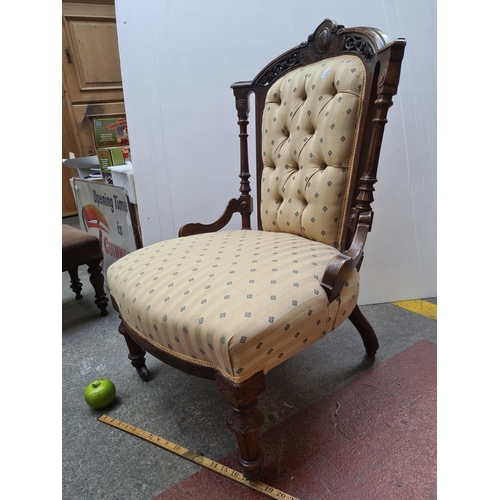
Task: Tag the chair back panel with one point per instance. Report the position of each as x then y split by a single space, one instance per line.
310 127
320 111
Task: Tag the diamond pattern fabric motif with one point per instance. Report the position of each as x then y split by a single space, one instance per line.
238 301
309 134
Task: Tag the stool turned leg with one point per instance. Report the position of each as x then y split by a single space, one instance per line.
76 284
245 419
97 281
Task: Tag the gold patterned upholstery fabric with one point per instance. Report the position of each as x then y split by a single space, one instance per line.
245 301
238 301
309 132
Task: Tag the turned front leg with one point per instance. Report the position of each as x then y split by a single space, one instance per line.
245 419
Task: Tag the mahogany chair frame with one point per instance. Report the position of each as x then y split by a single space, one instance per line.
382 60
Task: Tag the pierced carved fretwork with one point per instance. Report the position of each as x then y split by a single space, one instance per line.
278 68
360 45
330 39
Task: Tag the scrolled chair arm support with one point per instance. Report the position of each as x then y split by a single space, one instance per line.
234 205
341 265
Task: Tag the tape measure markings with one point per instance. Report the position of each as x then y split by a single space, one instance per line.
198 458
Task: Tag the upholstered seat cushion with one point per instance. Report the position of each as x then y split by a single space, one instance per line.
237 301
78 247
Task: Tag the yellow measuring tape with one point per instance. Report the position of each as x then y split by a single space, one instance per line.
197 458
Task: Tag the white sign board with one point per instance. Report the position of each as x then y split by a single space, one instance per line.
104 211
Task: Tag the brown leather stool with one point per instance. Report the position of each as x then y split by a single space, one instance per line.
80 248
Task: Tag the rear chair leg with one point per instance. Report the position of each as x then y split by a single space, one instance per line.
136 354
245 419
366 331
76 284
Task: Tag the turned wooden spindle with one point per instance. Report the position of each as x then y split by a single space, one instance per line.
245 205
369 177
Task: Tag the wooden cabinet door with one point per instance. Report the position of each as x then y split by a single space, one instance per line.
91 61
92 84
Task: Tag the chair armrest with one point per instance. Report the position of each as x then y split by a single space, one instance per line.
341 265
198 228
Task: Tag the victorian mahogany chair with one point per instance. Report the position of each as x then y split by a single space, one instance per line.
231 305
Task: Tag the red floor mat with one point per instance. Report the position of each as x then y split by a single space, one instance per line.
373 439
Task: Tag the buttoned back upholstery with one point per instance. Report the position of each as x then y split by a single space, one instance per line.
309 132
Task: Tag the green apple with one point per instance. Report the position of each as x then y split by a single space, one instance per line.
100 393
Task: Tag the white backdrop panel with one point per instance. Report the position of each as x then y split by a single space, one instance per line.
178 61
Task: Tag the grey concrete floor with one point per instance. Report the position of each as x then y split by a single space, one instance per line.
100 462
